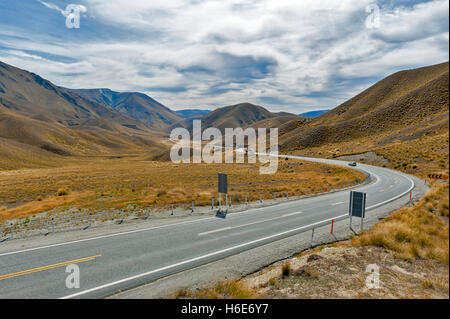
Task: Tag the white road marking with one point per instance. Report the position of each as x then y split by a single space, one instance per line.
214 253
387 188
338 203
238 246
197 258
248 224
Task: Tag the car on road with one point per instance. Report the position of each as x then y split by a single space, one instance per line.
352 164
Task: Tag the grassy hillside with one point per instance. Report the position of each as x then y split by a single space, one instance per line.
37 116
404 118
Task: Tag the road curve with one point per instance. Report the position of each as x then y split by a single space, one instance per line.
113 263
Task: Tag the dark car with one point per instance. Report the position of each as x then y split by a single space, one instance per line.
352 164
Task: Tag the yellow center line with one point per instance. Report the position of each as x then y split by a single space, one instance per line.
249 224
62 264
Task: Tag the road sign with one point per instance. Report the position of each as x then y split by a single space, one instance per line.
223 183
357 204
357 207
437 176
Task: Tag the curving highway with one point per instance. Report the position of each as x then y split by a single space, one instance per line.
116 262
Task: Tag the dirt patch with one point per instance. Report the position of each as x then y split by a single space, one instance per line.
367 157
340 272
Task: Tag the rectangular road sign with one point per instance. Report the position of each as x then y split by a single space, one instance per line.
223 183
357 204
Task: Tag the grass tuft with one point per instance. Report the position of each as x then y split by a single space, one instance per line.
421 231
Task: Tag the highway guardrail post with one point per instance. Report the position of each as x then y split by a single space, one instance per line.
229 203
212 203
260 197
90 220
298 194
312 238
12 231
148 213
274 196
246 203
53 224
192 207
172 211
287 195
122 217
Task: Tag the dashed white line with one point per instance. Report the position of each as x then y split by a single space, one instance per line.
248 224
338 203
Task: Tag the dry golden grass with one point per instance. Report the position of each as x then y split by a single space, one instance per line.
121 183
232 289
420 156
421 231
42 205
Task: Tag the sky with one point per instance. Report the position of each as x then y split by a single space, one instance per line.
285 55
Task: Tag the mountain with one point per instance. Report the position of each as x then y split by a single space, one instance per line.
403 118
241 115
192 113
37 115
136 105
313 113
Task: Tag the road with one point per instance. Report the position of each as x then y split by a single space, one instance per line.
116 262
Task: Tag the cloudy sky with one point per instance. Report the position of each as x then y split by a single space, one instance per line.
286 55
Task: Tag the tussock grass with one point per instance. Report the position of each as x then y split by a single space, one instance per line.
62 192
232 289
421 231
286 269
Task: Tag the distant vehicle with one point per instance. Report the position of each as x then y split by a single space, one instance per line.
352 164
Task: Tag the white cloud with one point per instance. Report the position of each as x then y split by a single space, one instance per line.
64 12
310 54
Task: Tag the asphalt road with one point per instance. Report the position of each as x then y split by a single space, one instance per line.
113 263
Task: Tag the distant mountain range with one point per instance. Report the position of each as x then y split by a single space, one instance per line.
135 105
313 113
192 113
39 120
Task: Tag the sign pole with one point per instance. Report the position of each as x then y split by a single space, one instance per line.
350 209
226 202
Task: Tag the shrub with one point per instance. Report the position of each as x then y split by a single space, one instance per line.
286 269
62 192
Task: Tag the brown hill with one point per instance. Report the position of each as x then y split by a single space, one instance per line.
243 115
407 102
35 112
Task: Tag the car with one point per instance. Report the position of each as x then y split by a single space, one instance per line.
352 164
